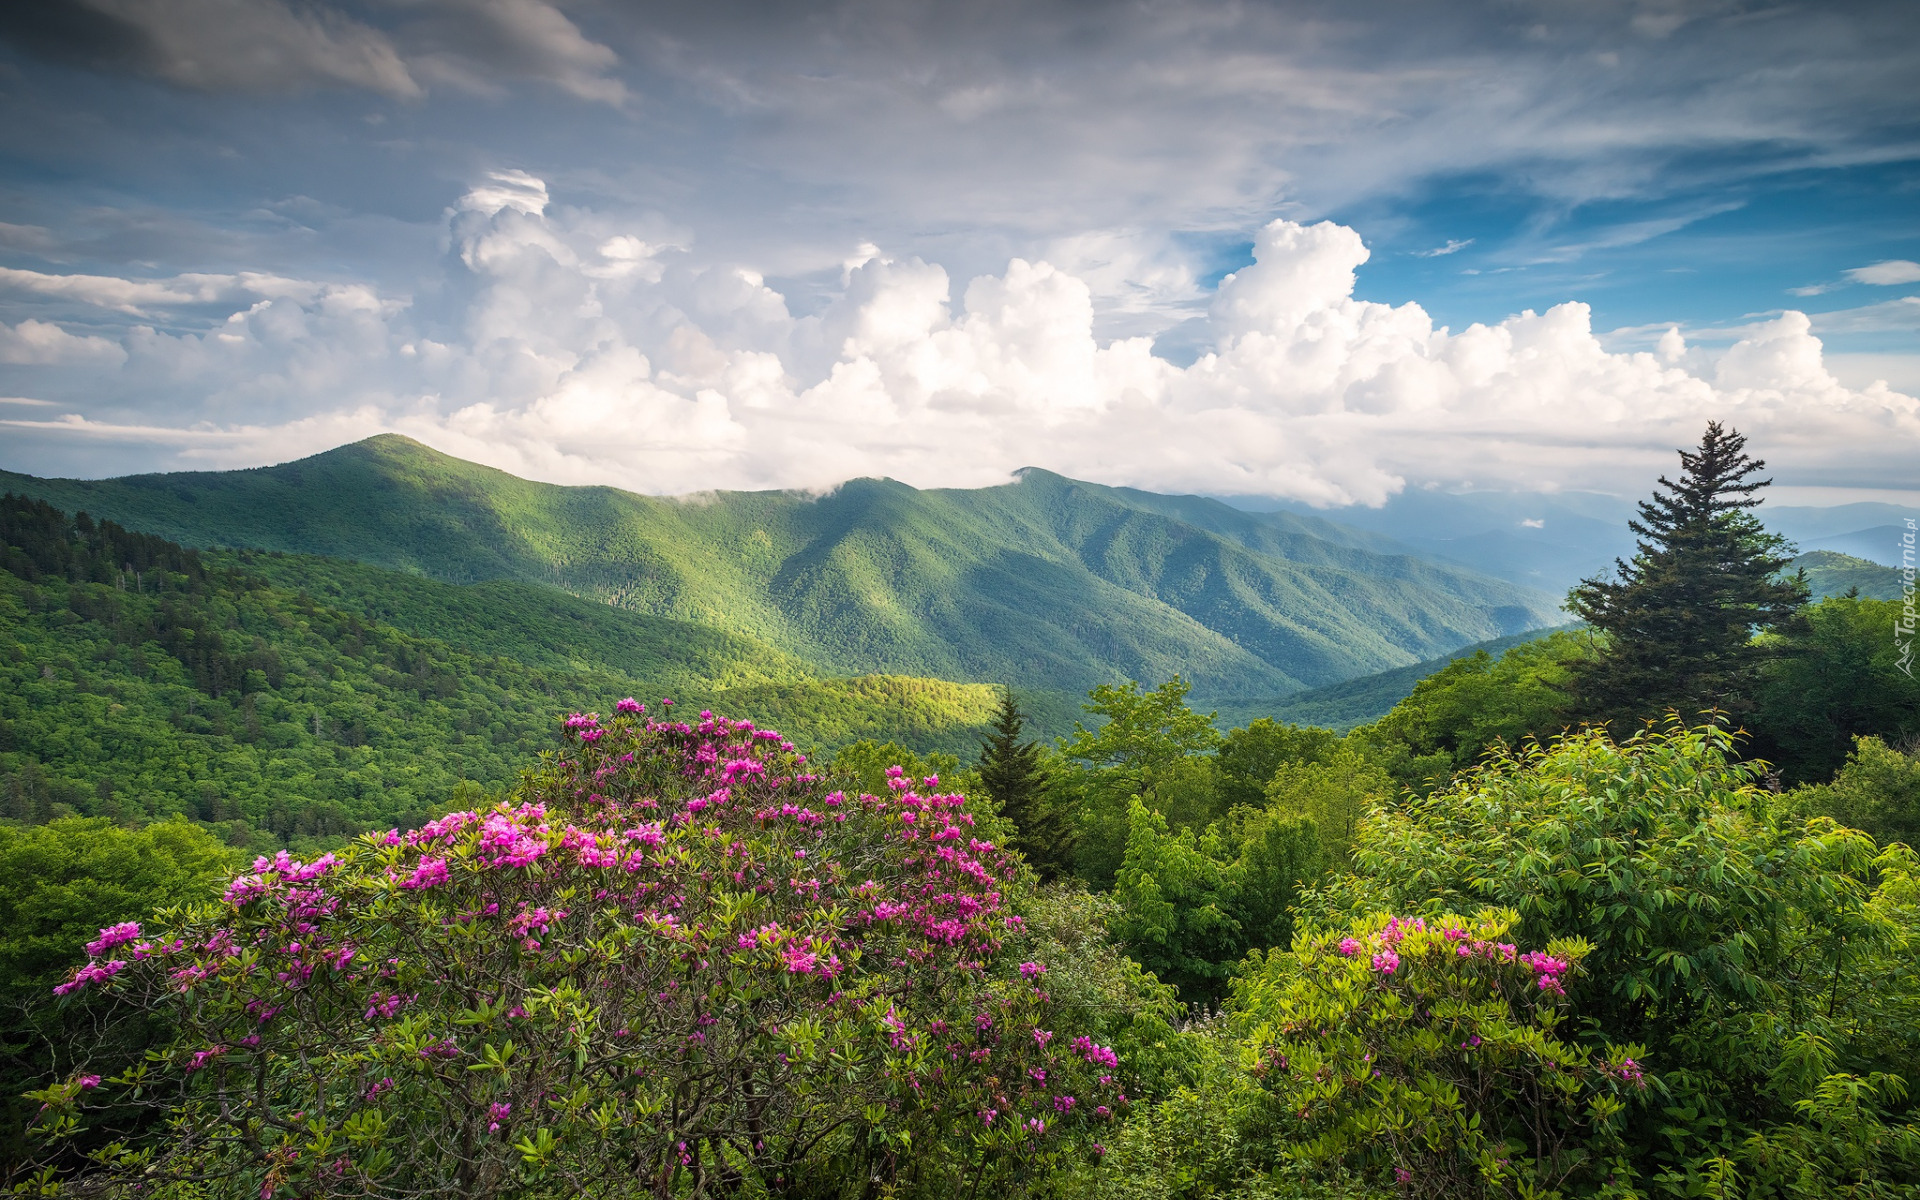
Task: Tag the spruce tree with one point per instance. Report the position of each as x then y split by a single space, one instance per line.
1680 618
1011 773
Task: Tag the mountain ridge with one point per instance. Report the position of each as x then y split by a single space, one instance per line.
1046 581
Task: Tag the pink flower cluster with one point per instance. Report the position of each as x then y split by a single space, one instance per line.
1400 938
93 972
1098 1055
113 935
652 841
1550 971
272 874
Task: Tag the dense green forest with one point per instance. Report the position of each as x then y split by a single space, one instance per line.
1628 909
1050 582
280 698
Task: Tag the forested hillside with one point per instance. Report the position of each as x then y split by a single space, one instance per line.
280 698
1047 581
1831 573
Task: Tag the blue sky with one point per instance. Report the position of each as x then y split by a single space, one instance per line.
711 245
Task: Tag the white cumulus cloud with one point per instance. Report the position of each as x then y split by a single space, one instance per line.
43 343
578 352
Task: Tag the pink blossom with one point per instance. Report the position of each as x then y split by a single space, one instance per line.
430 873
91 973
113 935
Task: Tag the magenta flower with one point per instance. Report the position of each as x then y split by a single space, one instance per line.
113 935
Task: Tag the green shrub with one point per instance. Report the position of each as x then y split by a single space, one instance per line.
1727 938
675 963
1434 1050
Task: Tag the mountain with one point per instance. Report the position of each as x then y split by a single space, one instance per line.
1047 582
1833 574
1881 544
1545 541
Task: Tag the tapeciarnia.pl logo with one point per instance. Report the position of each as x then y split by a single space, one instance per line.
1904 623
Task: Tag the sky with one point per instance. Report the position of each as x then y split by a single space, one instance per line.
1322 252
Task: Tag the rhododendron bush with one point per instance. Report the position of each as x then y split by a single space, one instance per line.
676 963
1434 1048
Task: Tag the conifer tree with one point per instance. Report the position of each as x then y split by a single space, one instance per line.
1012 774
1680 618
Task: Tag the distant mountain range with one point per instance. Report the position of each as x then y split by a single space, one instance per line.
1553 541
1046 582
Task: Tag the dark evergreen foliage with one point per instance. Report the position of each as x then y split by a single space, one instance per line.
1013 777
37 540
1680 618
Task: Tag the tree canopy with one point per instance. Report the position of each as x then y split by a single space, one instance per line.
1680 618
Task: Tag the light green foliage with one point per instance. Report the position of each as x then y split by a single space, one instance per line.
1192 902
1335 794
1658 851
1208 1139
1150 745
1278 855
1045 581
1433 1049
1249 756
60 884
1470 706
1878 790
1107 993
863 765
1832 675
1177 892
1723 937
1144 734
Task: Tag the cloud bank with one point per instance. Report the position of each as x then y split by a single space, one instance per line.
566 348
